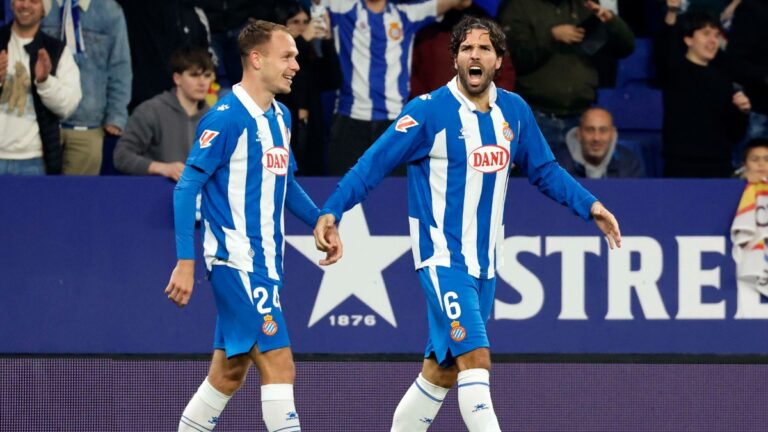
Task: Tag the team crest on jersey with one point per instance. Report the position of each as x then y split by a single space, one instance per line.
457 332
275 160
426 96
507 132
222 107
489 158
270 326
206 138
404 123
395 32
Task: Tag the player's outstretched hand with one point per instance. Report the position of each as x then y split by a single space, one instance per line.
179 288
327 239
607 223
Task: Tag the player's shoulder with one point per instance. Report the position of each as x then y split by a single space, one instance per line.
510 100
509 96
225 113
434 99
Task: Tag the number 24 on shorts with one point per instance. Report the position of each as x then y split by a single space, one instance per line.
260 295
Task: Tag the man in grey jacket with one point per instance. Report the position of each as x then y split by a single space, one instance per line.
160 131
592 151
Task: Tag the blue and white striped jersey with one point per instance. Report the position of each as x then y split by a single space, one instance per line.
243 163
375 55
458 167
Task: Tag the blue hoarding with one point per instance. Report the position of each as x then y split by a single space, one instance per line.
85 261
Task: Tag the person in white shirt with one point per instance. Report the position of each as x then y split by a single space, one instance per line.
40 85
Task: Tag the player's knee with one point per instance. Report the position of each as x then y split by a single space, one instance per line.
230 379
446 378
277 367
476 359
440 376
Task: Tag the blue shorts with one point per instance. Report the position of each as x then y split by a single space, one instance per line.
249 312
458 306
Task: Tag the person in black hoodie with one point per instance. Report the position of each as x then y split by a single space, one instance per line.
319 72
703 112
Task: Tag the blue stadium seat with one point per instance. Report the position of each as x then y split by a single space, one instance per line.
639 66
634 106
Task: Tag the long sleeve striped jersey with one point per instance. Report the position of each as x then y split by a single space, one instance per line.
243 163
458 167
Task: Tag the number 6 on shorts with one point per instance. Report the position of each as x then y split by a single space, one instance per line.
452 308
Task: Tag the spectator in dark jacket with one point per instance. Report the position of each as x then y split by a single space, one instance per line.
592 151
554 46
155 30
317 74
703 114
748 53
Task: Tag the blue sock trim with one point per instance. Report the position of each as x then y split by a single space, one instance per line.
427 394
285 429
474 383
193 424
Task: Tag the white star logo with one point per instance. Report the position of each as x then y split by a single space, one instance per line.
358 273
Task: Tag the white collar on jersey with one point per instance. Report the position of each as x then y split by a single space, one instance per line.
453 86
84 4
253 109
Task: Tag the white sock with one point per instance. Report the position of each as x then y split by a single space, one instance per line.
475 401
203 410
278 409
419 406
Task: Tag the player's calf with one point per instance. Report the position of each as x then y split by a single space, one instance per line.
277 375
203 410
475 401
419 406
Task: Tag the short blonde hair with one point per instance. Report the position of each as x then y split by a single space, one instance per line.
255 34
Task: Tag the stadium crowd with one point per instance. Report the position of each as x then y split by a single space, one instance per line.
103 87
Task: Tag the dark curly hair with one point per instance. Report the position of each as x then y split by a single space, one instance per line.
469 23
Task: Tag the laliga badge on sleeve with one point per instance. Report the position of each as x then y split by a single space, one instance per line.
404 123
206 138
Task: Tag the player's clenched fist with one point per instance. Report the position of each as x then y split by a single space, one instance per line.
180 286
